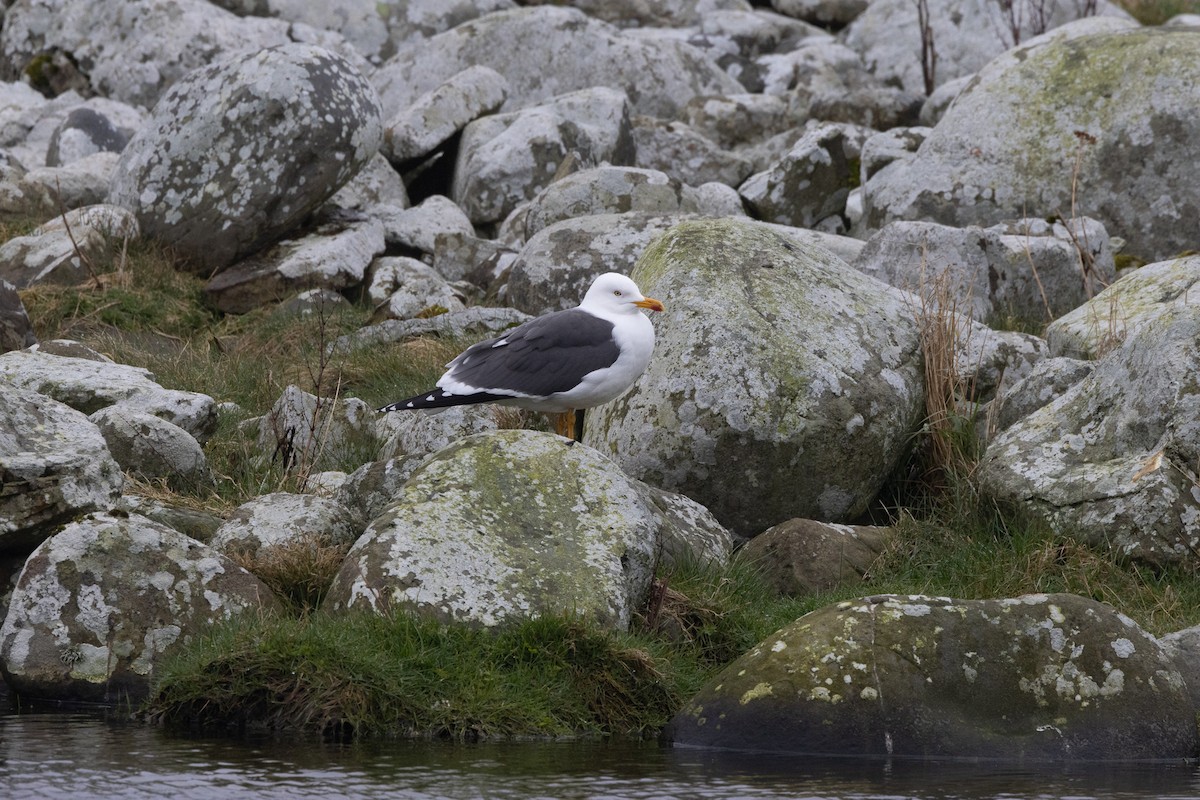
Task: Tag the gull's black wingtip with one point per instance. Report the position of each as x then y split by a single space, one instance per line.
436 398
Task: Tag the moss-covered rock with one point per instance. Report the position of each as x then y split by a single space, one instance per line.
783 384
1035 677
1103 125
506 525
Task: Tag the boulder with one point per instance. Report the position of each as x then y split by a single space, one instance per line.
518 44
403 288
503 526
560 261
608 190
685 154
1033 678
333 256
65 250
506 158
1027 268
134 55
83 132
151 447
1112 461
805 557
310 432
421 433
1065 126
369 490
16 332
52 190
281 518
477 321
690 533
417 228
418 130
807 185
101 604
238 153
783 383
965 35
1125 308
1046 381
54 466
88 386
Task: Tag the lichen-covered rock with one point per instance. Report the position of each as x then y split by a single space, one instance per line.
507 525
281 518
1038 677
417 228
374 486
402 288
434 117
807 185
333 256
803 556
1125 307
83 132
1028 268
56 251
506 158
783 383
1046 381
420 433
608 190
559 262
302 428
16 332
662 75
690 533
476 321
685 154
100 604
1112 461
152 447
54 466
238 153
1065 123
89 386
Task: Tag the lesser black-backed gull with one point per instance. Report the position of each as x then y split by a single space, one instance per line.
558 363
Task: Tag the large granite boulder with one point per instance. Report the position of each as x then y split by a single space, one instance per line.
783 384
89 385
102 603
1112 461
661 75
1105 126
1039 677
1124 308
54 466
508 525
238 153
151 447
283 519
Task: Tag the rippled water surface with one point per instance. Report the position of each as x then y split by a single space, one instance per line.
82 756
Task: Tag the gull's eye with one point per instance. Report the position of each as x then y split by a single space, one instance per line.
616 292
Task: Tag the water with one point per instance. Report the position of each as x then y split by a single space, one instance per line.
86 755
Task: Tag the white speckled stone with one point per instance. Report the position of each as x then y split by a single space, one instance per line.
238 153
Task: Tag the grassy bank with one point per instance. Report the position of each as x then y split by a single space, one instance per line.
369 675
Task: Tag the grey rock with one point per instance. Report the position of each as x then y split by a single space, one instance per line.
281 518
965 35
376 184
685 154
835 13
936 104
403 288
805 557
783 383
88 386
51 190
64 250
238 153
83 132
1028 269
421 433
1046 381
607 189
1111 462
54 466
506 158
135 63
417 228
507 525
418 130
1013 144
883 148
313 432
739 119
150 447
690 533
557 265
519 43
477 321
1040 678
370 489
1125 308
333 256
100 605
16 332
807 185
461 256
191 522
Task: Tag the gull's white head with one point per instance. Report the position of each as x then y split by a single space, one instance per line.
614 292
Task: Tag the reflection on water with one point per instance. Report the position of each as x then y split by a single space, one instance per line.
78 756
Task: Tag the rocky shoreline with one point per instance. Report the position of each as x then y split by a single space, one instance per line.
834 249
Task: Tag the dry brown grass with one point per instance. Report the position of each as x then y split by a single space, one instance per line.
300 571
